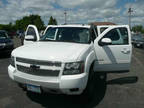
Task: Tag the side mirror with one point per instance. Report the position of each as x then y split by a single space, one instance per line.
105 41
30 38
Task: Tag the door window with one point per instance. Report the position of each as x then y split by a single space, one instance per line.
103 29
119 36
50 33
31 31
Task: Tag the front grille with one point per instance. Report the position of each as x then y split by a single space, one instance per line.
38 62
38 72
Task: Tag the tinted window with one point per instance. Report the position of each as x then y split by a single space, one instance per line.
103 29
31 31
119 36
124 35
50 33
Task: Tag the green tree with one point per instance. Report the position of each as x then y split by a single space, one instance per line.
55 21
52 21
22 24
8 27
32 19
138 28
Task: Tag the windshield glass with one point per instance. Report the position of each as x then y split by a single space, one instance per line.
3 35
67 34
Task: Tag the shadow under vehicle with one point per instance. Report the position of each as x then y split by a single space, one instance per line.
64 101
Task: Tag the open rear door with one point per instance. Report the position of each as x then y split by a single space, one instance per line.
31 35
113 49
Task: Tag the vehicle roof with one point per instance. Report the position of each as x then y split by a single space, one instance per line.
111 25
85 25
102 23
72 25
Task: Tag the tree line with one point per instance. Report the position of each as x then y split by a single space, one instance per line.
138 29
22 23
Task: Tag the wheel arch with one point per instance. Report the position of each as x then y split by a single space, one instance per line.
89 61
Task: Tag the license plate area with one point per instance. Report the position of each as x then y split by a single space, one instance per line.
33 88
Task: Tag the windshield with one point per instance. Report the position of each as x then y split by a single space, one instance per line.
67 34
3 35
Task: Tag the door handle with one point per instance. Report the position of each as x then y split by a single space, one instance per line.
125 51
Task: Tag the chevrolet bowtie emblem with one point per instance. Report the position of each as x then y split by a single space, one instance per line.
34 66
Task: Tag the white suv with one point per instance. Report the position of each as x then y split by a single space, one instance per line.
66 57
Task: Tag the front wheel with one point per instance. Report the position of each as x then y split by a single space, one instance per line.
96 83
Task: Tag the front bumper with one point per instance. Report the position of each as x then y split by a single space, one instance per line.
71 85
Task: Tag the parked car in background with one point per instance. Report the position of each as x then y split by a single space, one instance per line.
138 41
6 44
11 34
133 38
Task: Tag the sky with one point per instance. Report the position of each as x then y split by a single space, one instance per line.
78 11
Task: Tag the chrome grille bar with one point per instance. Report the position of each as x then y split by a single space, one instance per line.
38 62
38 72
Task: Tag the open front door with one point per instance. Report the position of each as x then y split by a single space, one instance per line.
113 49
31 35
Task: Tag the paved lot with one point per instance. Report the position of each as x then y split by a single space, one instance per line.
123 90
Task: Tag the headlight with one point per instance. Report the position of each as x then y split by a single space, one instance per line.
12 61
73 68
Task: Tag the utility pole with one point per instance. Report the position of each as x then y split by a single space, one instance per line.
130 12
65 13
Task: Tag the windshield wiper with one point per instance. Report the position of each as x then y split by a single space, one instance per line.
63 41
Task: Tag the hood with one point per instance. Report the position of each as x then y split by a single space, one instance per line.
51 51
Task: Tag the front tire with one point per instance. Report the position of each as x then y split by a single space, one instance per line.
94 80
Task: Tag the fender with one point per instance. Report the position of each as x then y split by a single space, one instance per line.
88 62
